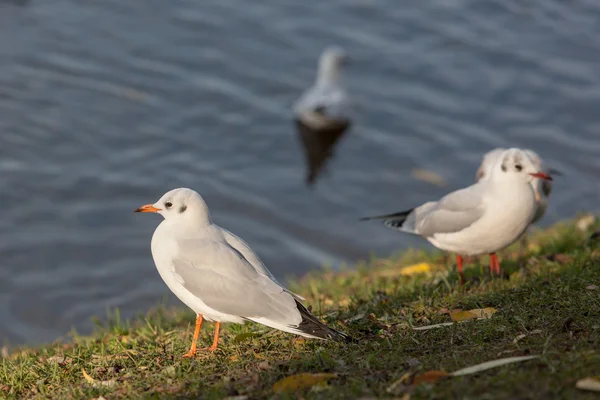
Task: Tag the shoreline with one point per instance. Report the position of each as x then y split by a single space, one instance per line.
547 306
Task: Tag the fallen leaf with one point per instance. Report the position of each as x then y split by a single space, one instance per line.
434 376
412 362
356 317
399 383
170 370
430 377
421 268
534 248
590 383
591 287
584 223
490 364
5 352
4 388
428 176
560 258
96 383
519 338
264 365
245 336
427 327
301 381
58 360
478 313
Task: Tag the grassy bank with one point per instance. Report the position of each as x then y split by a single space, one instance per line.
550 306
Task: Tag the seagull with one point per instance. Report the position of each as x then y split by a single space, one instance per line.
322 113
482 218
217 274
541 187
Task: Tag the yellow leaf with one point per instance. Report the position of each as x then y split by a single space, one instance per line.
590 383
478 313
421 268
96 383
399 383
428 176
534 248
301 381
430 377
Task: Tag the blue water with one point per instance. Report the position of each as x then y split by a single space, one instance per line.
105 105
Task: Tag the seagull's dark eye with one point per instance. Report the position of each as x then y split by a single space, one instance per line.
168 204
518 167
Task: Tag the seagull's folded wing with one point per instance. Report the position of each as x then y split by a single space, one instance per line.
453 213
225 281
250 256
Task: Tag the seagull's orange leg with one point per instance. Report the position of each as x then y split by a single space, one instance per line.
459 267
215 339
494 264
192 351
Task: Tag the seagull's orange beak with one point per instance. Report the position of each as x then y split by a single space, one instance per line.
147 208
542 175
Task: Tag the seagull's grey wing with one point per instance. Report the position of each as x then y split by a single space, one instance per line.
252 258
453 213
487 163
224 280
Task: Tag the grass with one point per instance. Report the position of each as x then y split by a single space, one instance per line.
548 304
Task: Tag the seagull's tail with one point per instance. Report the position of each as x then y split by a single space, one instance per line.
393 221
312 327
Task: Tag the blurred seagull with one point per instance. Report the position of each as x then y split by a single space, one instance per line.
541 187
322 114
217 274
482 218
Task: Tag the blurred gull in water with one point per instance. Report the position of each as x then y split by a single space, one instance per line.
322 114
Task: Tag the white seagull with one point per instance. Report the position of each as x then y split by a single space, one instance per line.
482 218
322 114
217 274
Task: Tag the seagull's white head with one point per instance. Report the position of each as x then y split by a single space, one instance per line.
330 64
517 165
180 205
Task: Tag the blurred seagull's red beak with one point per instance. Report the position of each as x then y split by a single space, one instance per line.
147 208
542 175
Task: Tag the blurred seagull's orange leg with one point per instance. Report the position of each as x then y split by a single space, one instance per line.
497 265
192 351
216 338
459 267
494 264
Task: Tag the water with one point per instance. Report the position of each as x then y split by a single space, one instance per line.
105 105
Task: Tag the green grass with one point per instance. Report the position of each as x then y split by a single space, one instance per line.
548 305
